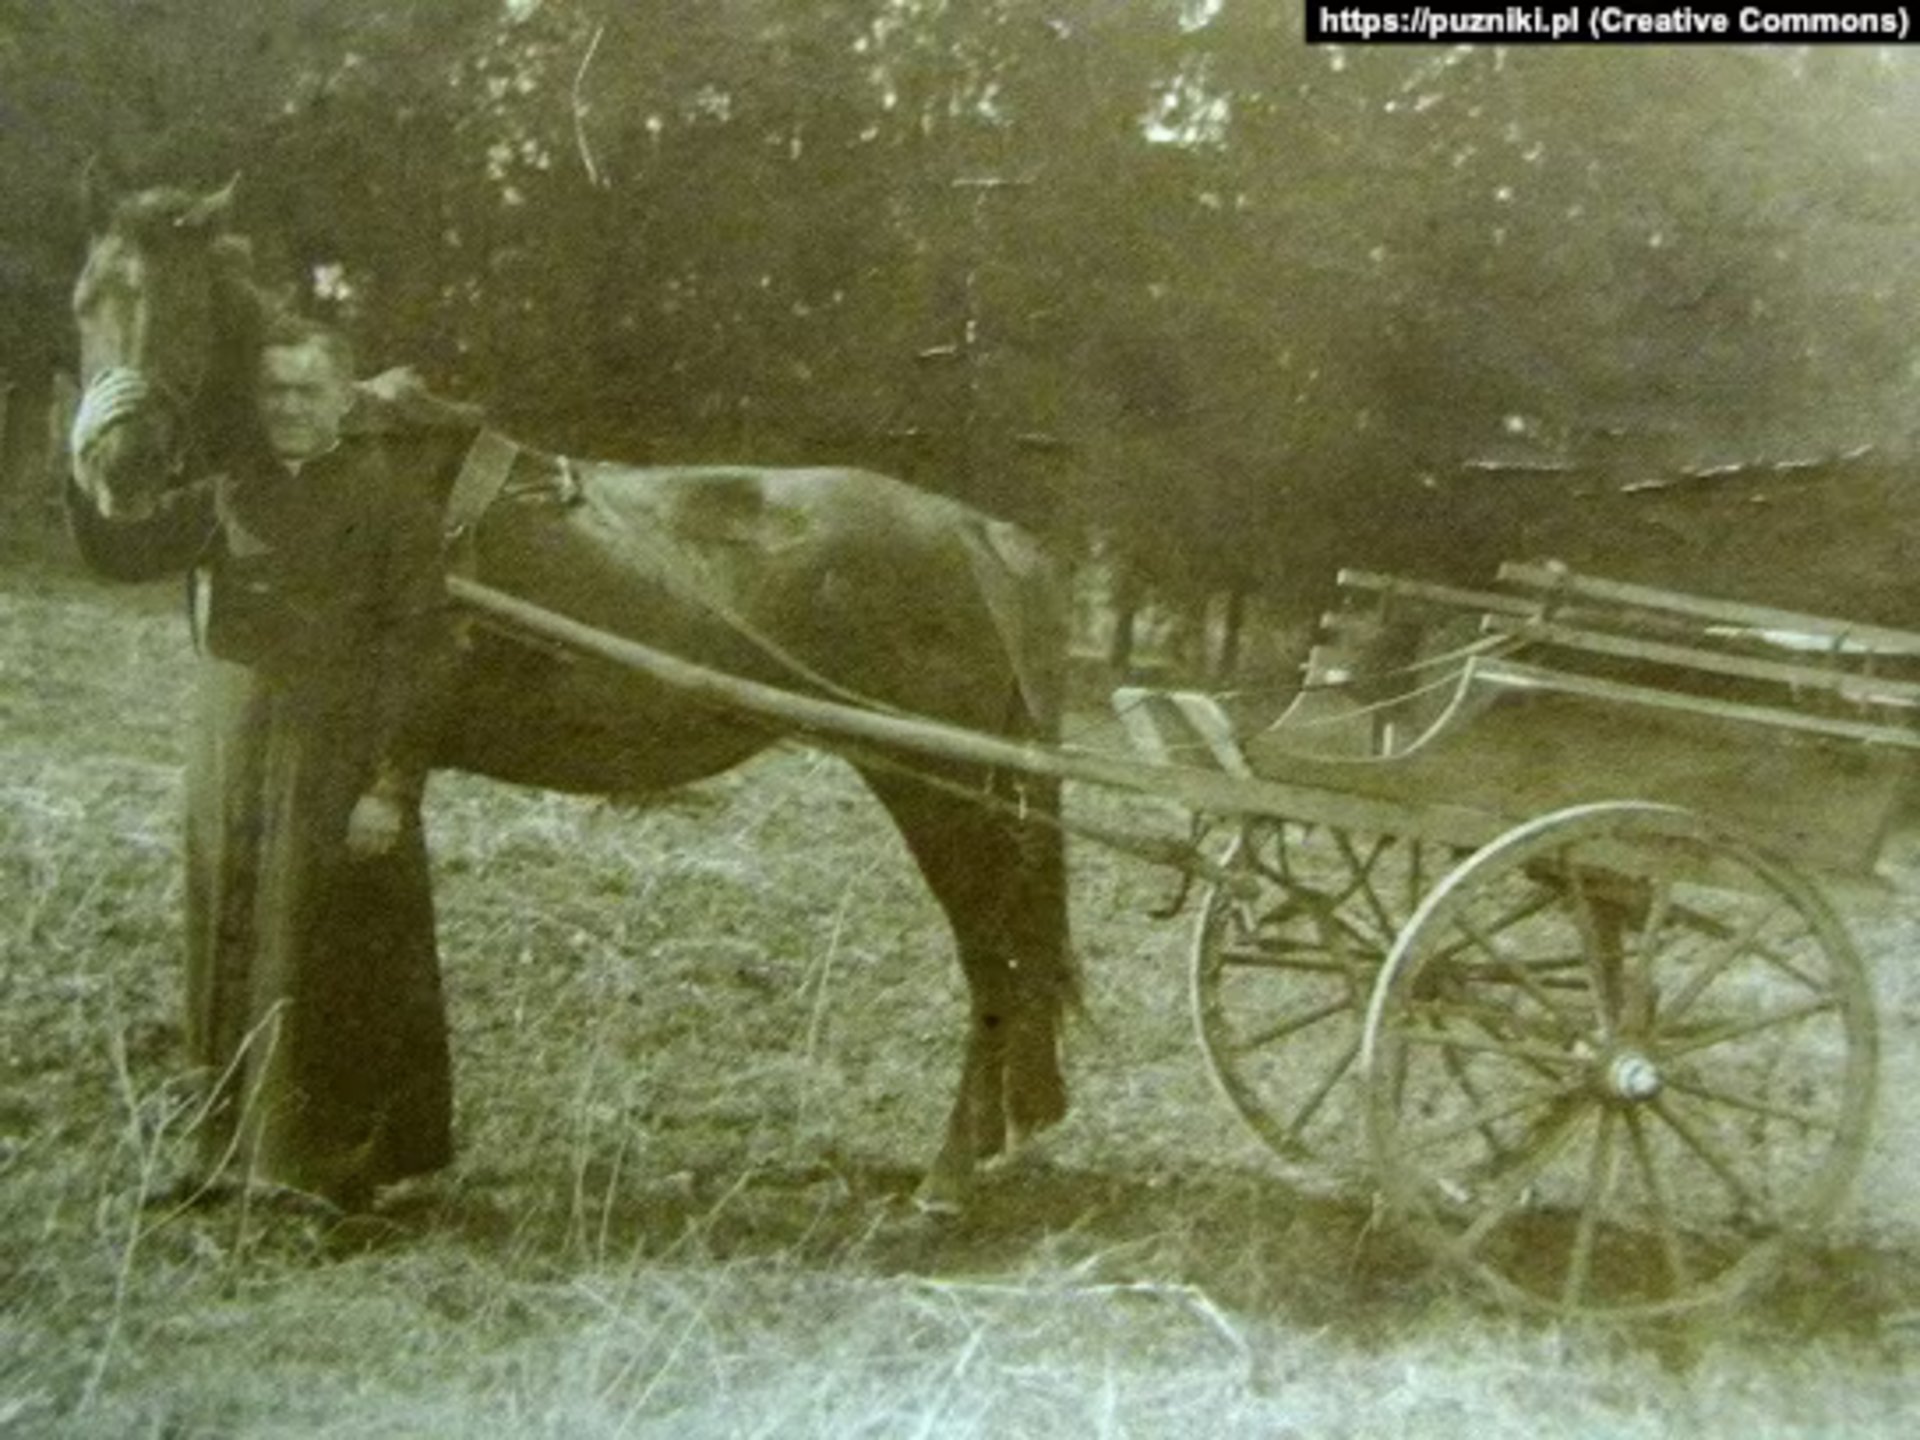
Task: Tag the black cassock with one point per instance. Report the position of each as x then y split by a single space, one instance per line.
314 1010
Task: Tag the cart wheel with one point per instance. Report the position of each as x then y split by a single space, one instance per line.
1284 959
1617 1060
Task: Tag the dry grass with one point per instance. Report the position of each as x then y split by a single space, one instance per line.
701 1050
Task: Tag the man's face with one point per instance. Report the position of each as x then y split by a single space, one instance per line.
304 392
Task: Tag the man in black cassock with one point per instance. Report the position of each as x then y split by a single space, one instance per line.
314 1012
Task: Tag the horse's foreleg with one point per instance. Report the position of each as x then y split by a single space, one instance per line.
977 1124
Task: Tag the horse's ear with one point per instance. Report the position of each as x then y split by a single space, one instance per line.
100 190
236 250
209 211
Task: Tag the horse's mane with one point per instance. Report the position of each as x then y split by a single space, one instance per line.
227 419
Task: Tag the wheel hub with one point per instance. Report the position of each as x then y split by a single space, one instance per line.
1630 1076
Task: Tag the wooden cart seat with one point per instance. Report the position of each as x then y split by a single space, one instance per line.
1562 689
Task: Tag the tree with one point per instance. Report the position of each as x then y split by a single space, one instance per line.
1155 272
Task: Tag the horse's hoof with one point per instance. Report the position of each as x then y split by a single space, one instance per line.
941 1197
1026 1150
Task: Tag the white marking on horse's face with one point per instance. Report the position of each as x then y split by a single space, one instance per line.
108 307
148 308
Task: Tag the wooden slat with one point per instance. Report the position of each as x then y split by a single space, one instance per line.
1847 635
1176 727
1396 587
1508 672
1855 688
1206 718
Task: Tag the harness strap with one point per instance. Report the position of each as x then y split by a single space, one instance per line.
483 475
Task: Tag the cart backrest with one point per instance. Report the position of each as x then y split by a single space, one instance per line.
1723 619
1557 630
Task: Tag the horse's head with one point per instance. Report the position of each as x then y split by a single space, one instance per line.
154 306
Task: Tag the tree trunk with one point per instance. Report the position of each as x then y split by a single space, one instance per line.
34 414
1126 606
1233 619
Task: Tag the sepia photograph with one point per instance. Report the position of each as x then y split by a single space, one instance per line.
958 718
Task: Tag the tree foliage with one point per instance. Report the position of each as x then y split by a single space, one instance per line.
1156 271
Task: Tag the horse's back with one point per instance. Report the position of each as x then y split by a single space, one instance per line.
832 581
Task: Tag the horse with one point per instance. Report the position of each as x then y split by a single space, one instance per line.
835 582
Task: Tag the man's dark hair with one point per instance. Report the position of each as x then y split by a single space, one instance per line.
285 330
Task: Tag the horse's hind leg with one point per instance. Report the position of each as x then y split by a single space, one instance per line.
999 873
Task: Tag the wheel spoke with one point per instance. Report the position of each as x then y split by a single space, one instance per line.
1741 1029
1529 1055
1307 958
1657 913
1278 871
1719 929
1513 1184
1506 966
1709 1152
1735 946
1457 1068
1600 1176
1293 1025
1304 1115
1350 939
1810 1119
1484 1119
1491 1021
1671 1249
1595 952
1787 968
1541 898
1503 1028
1363 886
1549 972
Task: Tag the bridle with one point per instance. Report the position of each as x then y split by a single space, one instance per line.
123 391
117 394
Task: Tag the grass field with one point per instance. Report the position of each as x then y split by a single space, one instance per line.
701 1049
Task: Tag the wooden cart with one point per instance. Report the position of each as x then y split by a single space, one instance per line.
1583 1015
1517 925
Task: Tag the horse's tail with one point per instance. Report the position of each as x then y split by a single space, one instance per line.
1026 595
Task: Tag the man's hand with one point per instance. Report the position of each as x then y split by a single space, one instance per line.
373 829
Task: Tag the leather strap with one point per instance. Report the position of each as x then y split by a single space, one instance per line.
483 475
